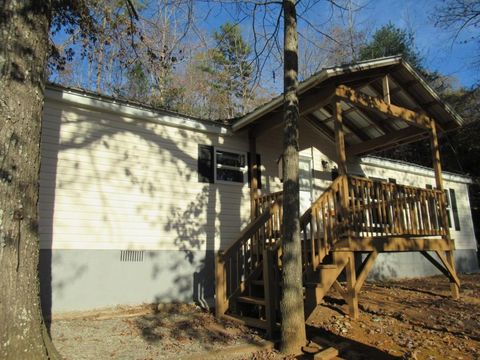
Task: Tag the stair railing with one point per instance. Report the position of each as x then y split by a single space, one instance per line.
323 224
241 261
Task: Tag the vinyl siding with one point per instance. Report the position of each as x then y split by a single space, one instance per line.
110 181
114 182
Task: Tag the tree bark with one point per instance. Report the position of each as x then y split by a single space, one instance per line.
24 46
293 335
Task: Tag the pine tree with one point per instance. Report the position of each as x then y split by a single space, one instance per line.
230 68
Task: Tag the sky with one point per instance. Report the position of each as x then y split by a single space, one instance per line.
439 50
437 46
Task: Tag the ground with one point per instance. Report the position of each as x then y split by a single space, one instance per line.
409 319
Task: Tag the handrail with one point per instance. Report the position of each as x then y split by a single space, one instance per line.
262 200
251 228
242 260
321 223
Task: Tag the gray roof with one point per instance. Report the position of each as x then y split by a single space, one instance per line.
411 90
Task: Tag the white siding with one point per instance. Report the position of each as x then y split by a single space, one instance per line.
114 182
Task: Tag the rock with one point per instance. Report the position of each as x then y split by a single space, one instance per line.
310 349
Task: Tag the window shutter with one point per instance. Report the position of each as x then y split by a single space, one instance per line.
205 164
334 173
449 213
259 172
453 200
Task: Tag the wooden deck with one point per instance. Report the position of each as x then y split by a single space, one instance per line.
354 215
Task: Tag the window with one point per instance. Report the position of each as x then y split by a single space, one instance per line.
221 165
452 209
230 166
334 173
449 212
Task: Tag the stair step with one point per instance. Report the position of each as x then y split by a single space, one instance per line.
251 300
257 282
327 266
312 284
260 283
247 321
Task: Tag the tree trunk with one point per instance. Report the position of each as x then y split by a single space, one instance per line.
293 335
23 54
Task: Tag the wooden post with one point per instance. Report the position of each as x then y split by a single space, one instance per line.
269 291
339 138
253 174
342 163
437 166
352 295
221 302
386 90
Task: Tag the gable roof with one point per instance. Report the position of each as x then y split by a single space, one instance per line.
410 89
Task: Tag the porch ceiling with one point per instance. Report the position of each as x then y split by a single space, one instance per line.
366 130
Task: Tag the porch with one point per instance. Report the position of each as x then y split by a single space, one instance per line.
359 109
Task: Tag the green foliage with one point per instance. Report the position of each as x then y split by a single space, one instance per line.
230 68
390 40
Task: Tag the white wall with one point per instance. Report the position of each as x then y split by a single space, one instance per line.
110 181
115 181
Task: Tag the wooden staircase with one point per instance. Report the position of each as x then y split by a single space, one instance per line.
250 269
248 273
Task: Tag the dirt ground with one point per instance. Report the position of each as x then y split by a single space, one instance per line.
409 319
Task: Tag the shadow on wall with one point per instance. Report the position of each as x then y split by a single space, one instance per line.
189 227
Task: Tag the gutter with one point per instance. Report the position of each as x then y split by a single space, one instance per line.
112 106
399 165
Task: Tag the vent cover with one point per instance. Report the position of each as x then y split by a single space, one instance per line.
131 255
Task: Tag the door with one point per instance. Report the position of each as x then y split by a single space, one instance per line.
306 183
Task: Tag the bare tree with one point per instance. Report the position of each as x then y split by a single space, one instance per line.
24 49
459 16
293 334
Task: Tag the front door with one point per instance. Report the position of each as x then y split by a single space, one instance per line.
305 167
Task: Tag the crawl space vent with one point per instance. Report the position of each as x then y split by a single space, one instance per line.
131 255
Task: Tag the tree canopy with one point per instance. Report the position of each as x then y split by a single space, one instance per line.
391 40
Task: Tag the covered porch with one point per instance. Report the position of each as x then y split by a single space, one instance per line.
352 110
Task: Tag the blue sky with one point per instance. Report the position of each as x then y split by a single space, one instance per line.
437 46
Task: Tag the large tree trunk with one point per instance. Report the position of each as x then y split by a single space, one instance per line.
291 306
24 43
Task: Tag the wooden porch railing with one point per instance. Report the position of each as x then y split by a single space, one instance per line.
238 264
351 207
379 208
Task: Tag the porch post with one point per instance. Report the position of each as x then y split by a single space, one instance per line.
339 138
342 163
253 174
437 166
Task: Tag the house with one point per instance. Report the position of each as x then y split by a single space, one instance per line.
136 202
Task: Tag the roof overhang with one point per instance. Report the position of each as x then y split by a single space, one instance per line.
406 90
